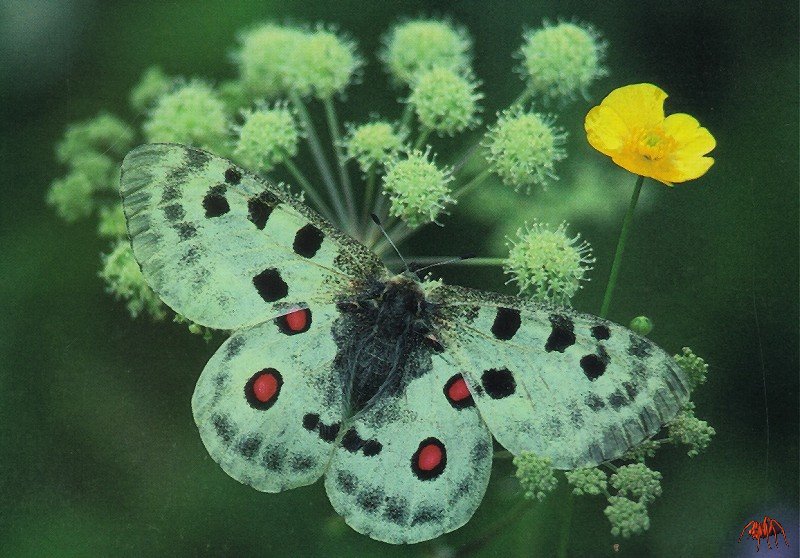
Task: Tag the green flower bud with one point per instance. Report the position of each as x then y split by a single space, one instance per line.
422 44
548 265
627 517
695 367
153 84
263 58
192 114
71 197
445 101
268 137
104 133
322 64
99 170
524 148
561 61
373 144
590 481
637 481
125 281
687 429
535 474
112 222
418 189
645 448
641 325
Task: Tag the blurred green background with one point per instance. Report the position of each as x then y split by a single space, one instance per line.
99 454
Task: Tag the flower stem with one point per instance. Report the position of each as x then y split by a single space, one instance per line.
423 135
476 181
623 237
333 126
369 193
405 119
305 184
319 157
427 260
564 526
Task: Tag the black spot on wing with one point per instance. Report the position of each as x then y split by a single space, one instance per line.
396 510
233 347
224 428
215 202
307 241
259 209
594 402
273 458
346 482
617 400
249 446
353 443
593 366
310 421
480 451
174 212
233 176
327 432
601 332
639 347
630 389
185 230
562 334
196 159
427 514
270 286
370 500
498 383
300 463
506 323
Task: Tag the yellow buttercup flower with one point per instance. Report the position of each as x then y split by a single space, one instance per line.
630 127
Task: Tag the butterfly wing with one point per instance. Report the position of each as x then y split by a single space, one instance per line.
268 404
224 248
573 387
414 466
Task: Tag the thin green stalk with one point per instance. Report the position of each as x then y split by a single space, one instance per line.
369 194
319 157
427 260
565 524
305 184
423 135
477 180
623 237
405 119
336 139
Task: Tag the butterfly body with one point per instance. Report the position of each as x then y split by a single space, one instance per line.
389 386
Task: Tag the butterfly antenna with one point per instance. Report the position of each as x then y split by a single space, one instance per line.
453 260
377 221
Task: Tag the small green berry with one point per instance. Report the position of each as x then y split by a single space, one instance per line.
590 481
548 265
535 474
687 429
524 148
192 114
637 481
322 64
263 58
112 222
153 84
268 137
125 281
373 144
422 44
418 189
641 325
71 197
104 133
627 517
694 366
561 61
445 101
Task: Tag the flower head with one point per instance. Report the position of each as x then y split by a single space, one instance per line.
547 264
445 101
592 481
125 281
630 127
524 148
111 222
687 429
322 63
267 138
627 517
638 481
535 474
153 83
373 144
422 44
419 190
71 196
694 366
263 58
561 61
104 133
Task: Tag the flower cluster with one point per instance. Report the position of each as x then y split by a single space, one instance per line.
536 476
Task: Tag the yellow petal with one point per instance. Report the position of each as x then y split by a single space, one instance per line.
689 168
605 130
640 105
691 138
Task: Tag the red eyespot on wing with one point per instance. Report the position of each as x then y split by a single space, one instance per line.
430 457
263 389
296 321
457 392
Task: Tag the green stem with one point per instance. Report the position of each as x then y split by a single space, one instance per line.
623 237
476 181
333 126
427 260
319 157
405 119
423 135
305 184
564 526
369 194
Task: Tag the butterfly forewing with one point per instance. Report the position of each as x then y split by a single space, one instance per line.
224 248
569 386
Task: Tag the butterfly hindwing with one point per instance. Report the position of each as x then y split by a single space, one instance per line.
573 387
225 248
268 404
414 466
